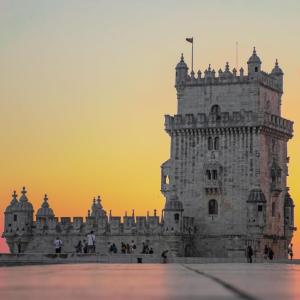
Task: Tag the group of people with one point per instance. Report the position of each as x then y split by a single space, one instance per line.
127 248
268 253
88 245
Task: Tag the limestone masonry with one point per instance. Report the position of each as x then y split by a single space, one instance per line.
224 183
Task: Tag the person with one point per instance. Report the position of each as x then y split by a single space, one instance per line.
78 247
85 246
114 248
266 251
290 251
132 247
19 247
249 254
164 256
57 245
91 241
151 251
271 254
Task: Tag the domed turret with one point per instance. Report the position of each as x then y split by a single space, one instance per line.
24 204
13 204
254 65
278 74
45 211
181 72
97 209
18 223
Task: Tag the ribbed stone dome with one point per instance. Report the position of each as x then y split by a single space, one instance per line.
13 204
181 64
276 70
24 204
256 195
254 58
45 211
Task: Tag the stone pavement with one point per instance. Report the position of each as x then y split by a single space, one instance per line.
150 281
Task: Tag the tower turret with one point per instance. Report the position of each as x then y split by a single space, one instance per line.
45 212
18 223
278 74
181 72
254 65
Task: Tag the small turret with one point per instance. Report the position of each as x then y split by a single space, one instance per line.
172 213
97 210
278 74
45 212
288 216
181 72
254 65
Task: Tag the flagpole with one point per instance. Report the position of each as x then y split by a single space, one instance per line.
193 55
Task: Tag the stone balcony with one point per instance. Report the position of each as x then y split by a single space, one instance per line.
229 120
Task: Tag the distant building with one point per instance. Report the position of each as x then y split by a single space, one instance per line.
225 181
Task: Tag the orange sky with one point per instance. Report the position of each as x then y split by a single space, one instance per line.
84 86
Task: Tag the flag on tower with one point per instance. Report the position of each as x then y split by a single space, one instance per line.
190 40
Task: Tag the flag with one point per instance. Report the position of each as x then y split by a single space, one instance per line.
190 40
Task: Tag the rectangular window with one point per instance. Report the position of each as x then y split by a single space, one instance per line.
259 208
15 218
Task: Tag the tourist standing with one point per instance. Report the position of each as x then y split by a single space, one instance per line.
91 241
290 251
78 247
57 245
164 256
266 252
249 254
271 254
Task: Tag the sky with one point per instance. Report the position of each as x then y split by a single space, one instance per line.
84 86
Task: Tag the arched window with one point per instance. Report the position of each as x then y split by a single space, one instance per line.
216 143
215 174
210 143
216 110
176 218
208 174
212 207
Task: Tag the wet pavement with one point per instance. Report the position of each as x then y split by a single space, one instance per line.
150 281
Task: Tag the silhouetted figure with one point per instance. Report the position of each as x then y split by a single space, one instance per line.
78 247
85 246
266 252
164 256
57 245
249 254
151 251
290 251
19 248
271 254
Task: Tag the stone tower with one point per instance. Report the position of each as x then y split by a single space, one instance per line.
229 159
18 223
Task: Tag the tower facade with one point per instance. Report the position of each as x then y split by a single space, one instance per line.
229 159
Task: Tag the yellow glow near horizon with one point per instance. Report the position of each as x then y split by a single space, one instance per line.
84 87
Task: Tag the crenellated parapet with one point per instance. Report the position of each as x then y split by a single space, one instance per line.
225 120
271 80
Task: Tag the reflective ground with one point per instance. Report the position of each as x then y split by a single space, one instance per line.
150 281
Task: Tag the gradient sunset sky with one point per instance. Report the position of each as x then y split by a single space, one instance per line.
84 86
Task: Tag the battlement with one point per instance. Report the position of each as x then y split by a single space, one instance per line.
228 77
228 120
